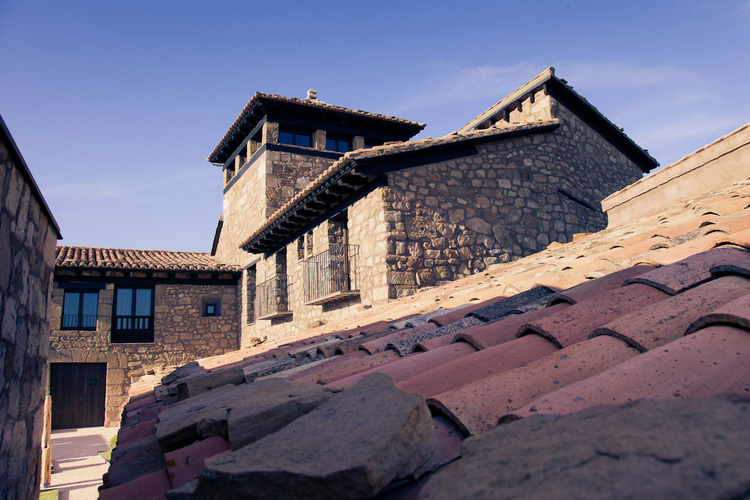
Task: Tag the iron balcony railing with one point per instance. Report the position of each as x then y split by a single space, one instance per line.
79 322
133 329
272 297
331 274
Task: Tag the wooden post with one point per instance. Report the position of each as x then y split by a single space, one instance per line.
46 448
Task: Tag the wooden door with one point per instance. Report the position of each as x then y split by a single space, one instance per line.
78 393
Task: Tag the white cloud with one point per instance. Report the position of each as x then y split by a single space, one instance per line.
454 83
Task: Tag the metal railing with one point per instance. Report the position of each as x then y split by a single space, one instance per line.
331 274
272 297
79 322
133 329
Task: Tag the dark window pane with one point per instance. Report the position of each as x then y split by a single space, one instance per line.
89 310
124 302
143 302
303 140
286 137
71 303
330 145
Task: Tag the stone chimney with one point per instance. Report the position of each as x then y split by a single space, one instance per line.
312 94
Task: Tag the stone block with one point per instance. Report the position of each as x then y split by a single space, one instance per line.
352 446
401 278
198 384
687 449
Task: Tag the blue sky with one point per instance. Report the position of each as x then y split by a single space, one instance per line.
115 105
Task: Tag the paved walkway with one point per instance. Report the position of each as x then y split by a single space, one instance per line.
78 467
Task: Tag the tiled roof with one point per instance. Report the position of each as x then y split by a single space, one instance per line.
127 259
385 153
311 103
513 365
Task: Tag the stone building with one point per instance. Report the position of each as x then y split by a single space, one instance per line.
28 232
117 314
329 210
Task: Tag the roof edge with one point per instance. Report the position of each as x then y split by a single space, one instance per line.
352 158
29 177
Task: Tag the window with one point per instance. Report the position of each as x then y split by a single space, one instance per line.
338 143
79 310
211 306
133 320
295 137
250 294
371 143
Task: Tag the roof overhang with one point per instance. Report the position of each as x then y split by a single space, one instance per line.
354 176
305 113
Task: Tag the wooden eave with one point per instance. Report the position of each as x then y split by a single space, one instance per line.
359 175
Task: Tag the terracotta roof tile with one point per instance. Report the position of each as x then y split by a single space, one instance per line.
476 407
594 288
413 364
668 320
337 372
146 260
506 329
690 271
577 322
479 365
153 485
735 313
380 344
329 367
187 463
720 352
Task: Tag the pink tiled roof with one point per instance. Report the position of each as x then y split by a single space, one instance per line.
147 260
655 310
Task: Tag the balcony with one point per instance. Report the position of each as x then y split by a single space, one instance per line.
272 298
331 275
126 329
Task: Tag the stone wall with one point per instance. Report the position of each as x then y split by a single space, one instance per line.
716 165
515 197
27 253
260 188
181 334
367 230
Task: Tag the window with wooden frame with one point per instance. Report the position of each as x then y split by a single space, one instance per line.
80 310
338 143
133 319
295 137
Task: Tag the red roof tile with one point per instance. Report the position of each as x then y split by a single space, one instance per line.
709 362
476 407
663 322
735 313
477 366
577 322
146 260
413 364
187 463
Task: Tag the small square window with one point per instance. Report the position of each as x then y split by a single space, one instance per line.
210 307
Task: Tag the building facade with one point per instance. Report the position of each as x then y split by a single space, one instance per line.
119 314
329 211
28 233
